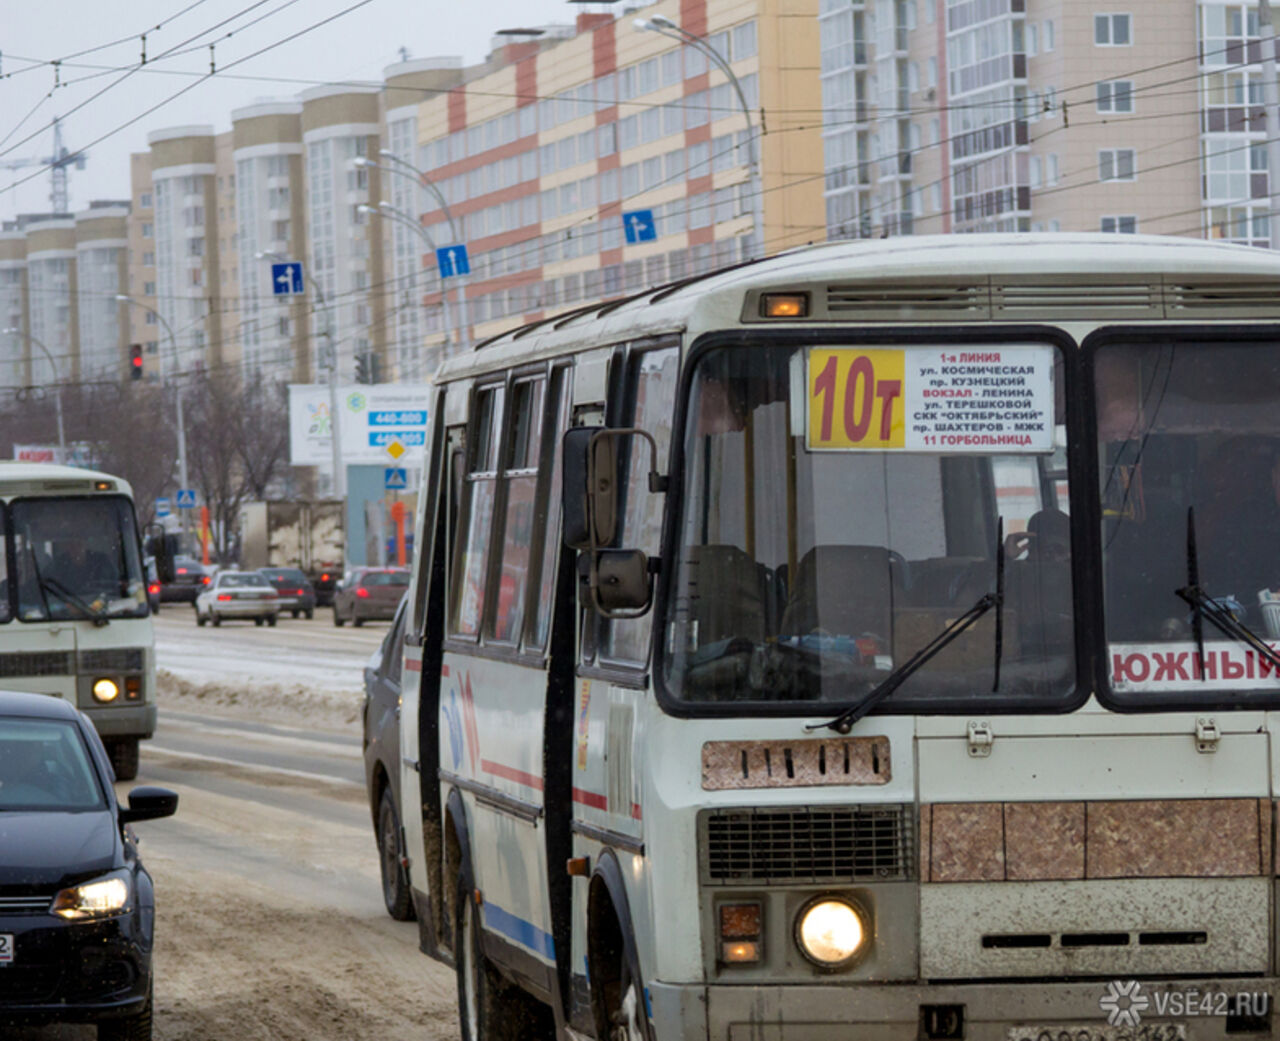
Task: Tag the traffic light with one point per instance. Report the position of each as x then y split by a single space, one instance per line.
362 368
135 361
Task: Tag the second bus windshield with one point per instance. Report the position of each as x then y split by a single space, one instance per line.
806 575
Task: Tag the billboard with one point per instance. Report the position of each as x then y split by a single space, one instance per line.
78 453
379 424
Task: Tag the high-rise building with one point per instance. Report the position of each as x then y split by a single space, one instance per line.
564 130
53 318
14 368
102 270
143 325
1043 115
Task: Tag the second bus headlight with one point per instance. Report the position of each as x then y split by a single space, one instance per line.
831 932
105 690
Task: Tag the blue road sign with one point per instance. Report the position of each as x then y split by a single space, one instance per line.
453 260
286 278
162 506
186 498
639 226
395 478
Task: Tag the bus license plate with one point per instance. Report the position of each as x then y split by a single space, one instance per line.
6 948
1099 1032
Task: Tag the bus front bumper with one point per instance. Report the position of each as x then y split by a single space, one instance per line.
1032 1011
122 720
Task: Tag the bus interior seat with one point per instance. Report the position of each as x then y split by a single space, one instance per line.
729 594
845 591
943 581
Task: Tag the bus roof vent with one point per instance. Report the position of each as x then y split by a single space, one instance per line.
959 300
1222 299
1032 301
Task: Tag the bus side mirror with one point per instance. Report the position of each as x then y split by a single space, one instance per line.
617 580
589 495
164 548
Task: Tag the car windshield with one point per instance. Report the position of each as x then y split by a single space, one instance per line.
823 541
386 578
285 575
77 558
1189 471
240 580
44 765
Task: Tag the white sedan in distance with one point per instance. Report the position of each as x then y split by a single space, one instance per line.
238 594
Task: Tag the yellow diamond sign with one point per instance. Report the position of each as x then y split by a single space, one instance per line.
395 449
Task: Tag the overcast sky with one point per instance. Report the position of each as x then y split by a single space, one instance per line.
354 46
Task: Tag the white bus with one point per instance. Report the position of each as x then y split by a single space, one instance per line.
74 618
908 672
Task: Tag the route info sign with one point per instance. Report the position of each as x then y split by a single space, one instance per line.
962 399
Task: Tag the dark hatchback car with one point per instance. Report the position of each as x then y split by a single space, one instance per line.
382 764
77 908
294 592
189 578
369 594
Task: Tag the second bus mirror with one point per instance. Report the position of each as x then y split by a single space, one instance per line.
589 496
622 581
164 548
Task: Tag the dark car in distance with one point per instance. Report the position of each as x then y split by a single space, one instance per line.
77 908
382 765
369 594
189 578
326 580
294 591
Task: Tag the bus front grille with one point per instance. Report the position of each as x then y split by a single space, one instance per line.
113 659
807 845
36 663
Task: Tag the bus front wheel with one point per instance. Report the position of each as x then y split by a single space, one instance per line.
124 757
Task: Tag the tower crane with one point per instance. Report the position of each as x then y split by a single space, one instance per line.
58 163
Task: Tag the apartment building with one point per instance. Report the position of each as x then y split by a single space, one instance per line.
542 150
52 331
102 272
14 368
142 318
1043 115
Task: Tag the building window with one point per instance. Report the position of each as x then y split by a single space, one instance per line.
148 289
146 230
1117 164
148 259
1112 30
1115 96
144 200
1120 225
1047 37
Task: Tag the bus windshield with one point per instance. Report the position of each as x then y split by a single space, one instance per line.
809 571
1189 472
76 558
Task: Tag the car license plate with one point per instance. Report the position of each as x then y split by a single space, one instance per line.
6 948
1099 1032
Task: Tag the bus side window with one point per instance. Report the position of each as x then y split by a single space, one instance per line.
651 394
475 520
549 511
518 494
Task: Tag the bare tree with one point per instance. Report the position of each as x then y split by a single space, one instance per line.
214 463
263 443
131 428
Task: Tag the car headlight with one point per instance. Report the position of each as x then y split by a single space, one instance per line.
831 932
105 690
97 899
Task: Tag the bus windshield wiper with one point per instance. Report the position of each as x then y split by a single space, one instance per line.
52 585
843 723
1204 606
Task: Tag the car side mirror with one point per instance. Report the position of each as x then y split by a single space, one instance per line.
147 803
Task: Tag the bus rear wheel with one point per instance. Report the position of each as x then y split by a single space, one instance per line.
490 1008
123 752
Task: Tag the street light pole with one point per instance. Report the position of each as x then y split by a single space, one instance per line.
666 27
173 354
389 212
331 362
403 168
57 387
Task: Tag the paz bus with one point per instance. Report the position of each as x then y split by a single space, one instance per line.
875 640
74 617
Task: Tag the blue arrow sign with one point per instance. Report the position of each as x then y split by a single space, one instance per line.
286 278
162 506
639 226
186 498
453 260
394 478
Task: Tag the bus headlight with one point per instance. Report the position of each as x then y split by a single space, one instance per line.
831 932
105 690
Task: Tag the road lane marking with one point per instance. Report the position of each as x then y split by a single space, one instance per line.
152 747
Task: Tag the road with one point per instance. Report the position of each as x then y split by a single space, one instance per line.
270 923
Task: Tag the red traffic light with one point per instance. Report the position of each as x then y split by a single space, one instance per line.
135 361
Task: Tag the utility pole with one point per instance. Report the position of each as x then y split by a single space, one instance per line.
1271 100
